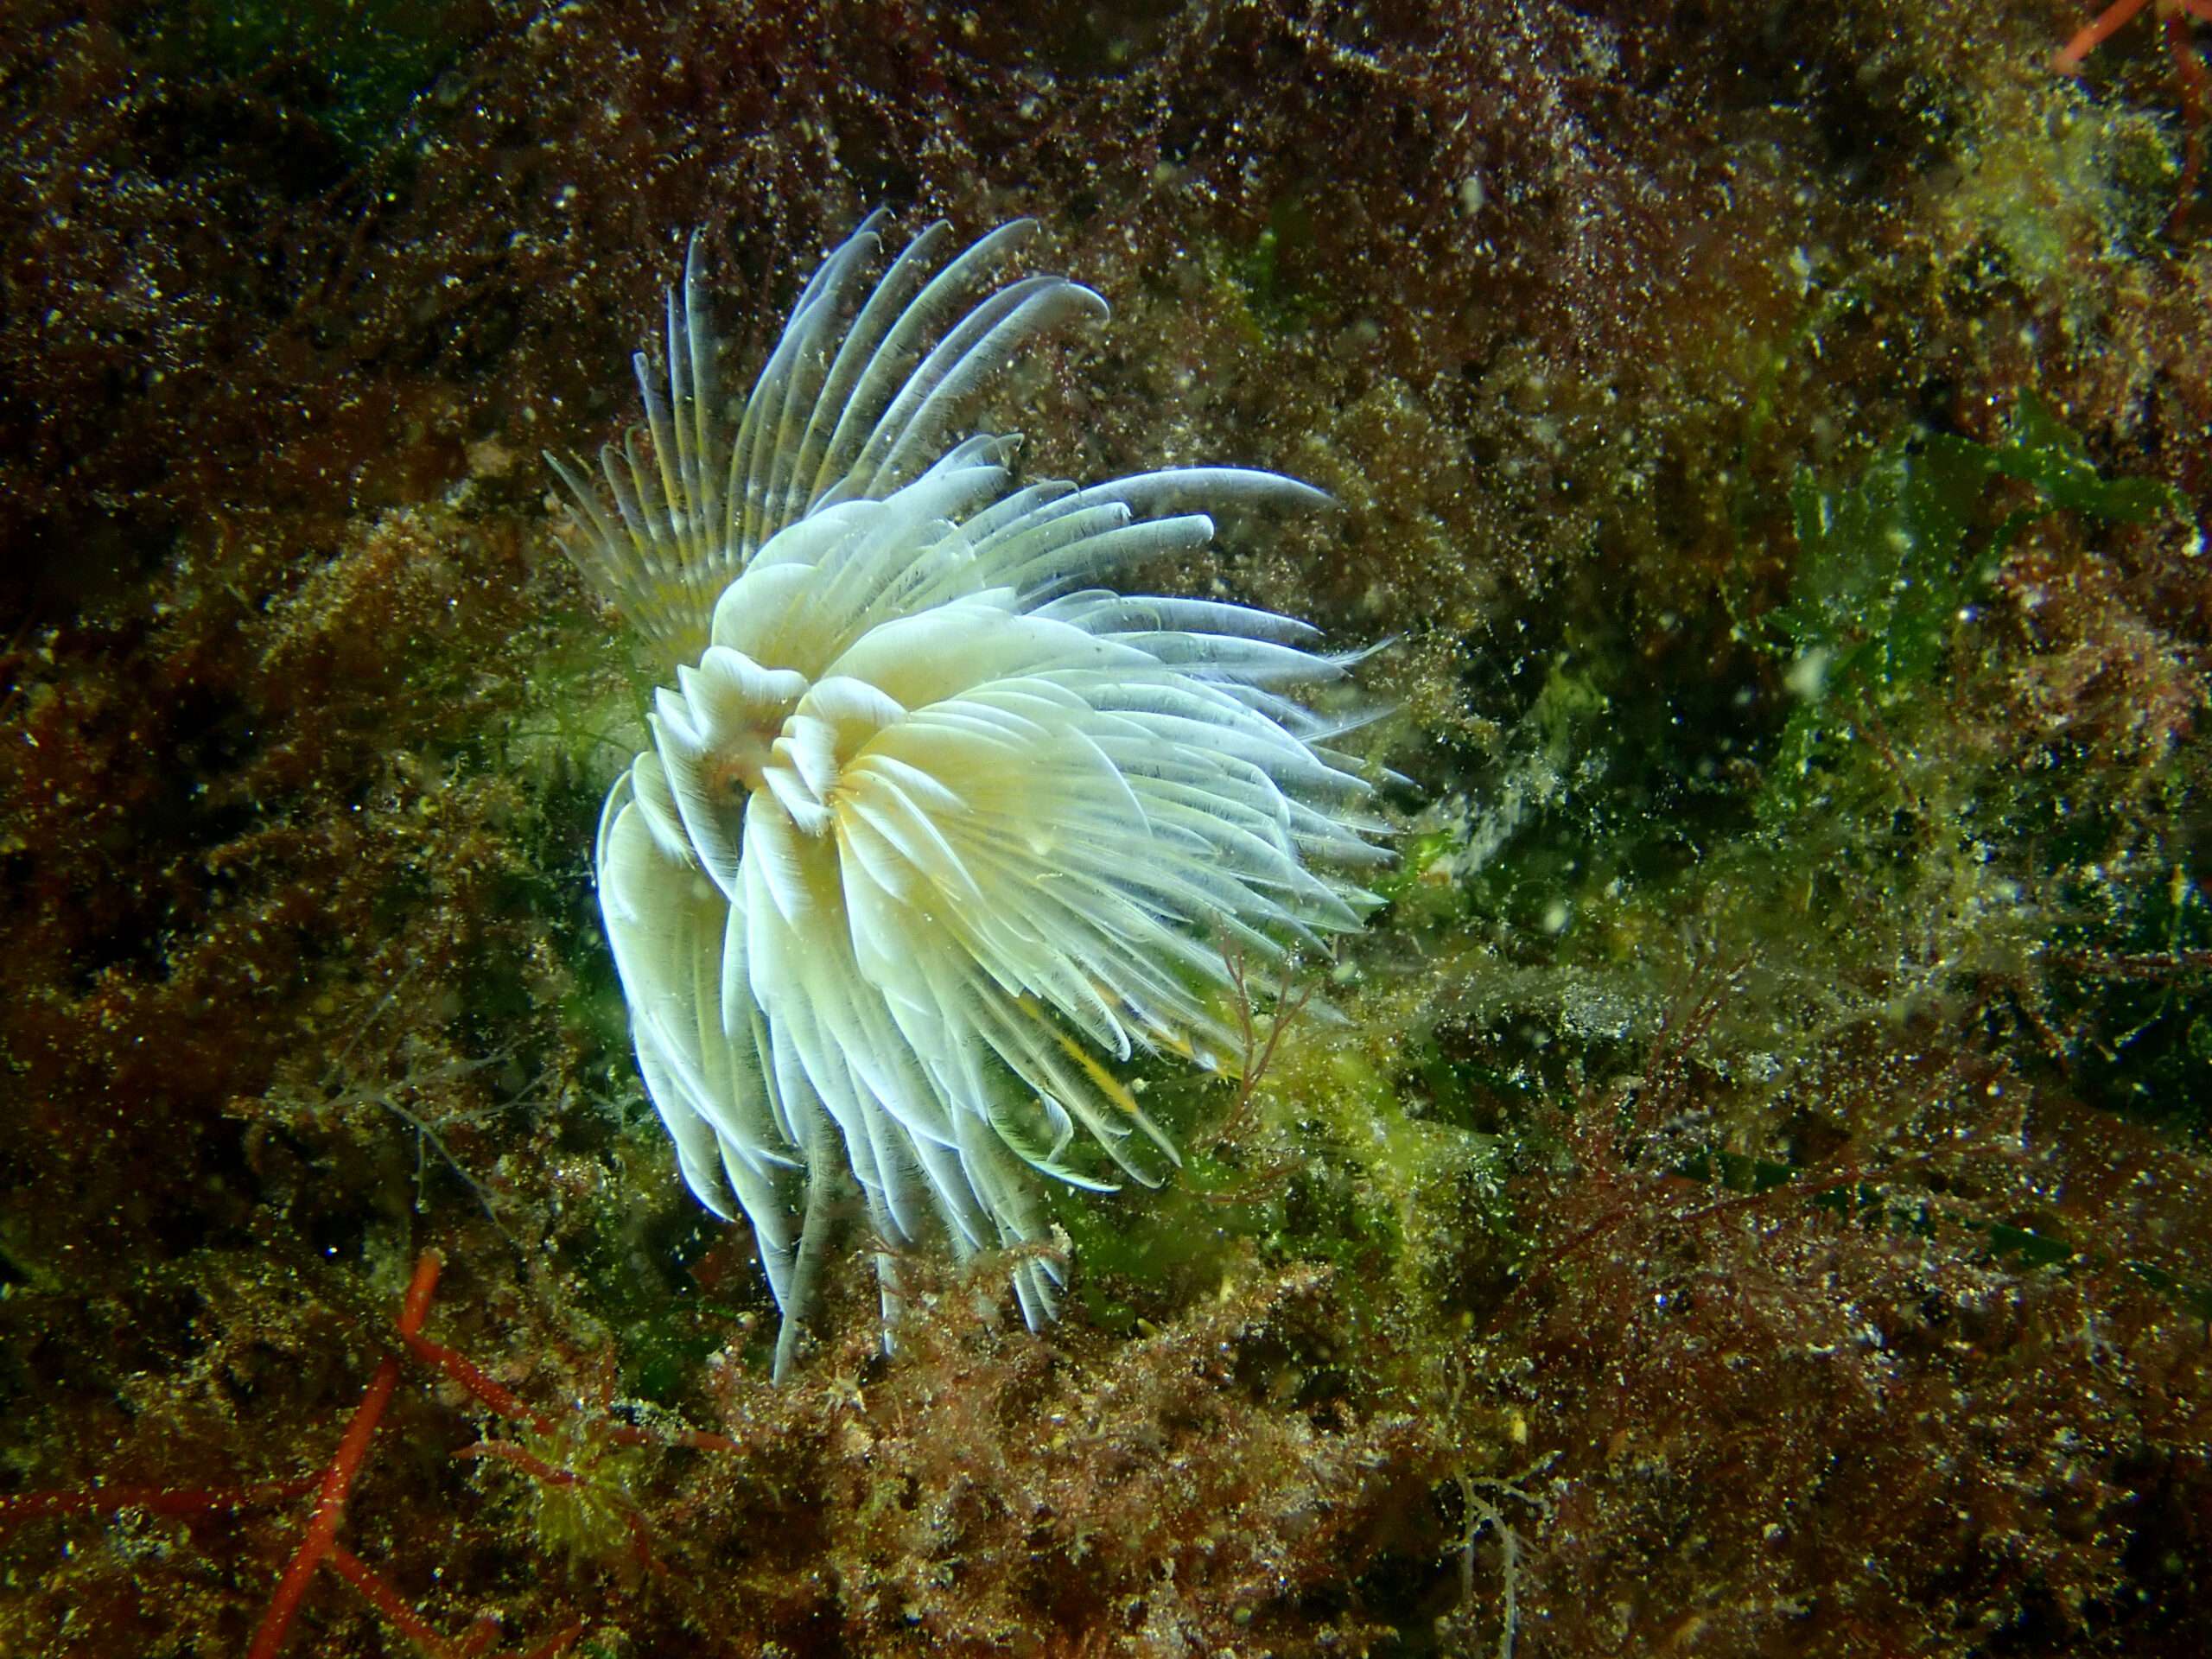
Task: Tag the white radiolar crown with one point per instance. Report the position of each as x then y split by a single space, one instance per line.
937 830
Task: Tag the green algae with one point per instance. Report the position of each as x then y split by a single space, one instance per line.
1888 565
363 65
1278 302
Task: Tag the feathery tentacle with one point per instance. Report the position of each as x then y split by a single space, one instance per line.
937 828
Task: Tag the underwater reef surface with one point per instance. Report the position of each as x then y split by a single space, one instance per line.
1755 1199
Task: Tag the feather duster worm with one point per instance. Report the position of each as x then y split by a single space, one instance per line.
935 828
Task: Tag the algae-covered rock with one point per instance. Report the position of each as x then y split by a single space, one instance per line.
1743 1191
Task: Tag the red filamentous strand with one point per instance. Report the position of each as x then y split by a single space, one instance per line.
154 1500
345 1465
473 1377
2094 35
381 1596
